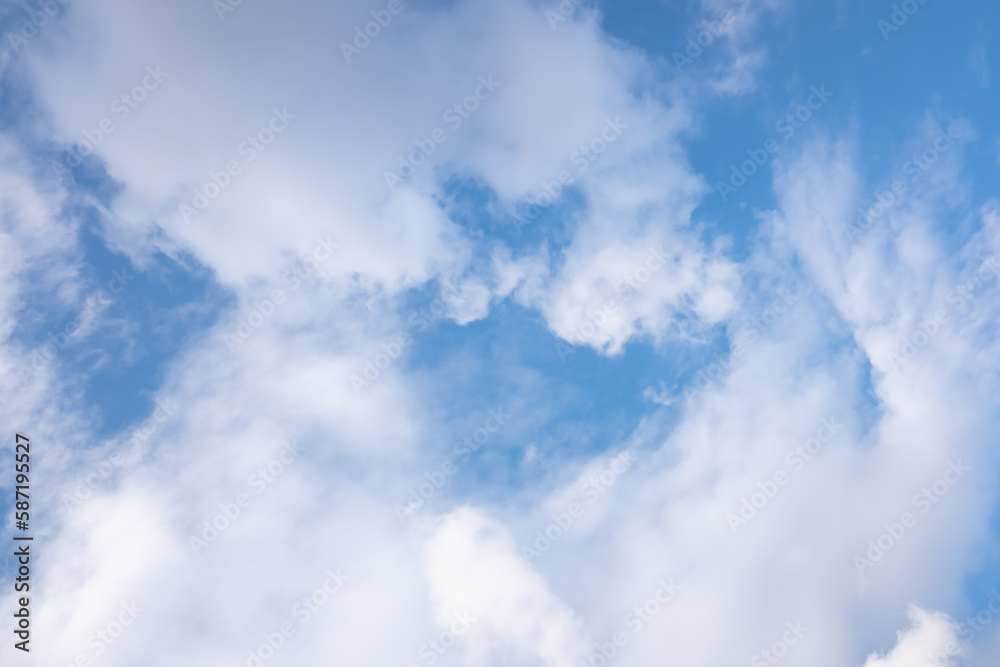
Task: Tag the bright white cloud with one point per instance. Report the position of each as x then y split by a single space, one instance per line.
931 640
474 567
759 490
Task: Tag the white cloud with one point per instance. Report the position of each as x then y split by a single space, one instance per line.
324 175
931 640
473 566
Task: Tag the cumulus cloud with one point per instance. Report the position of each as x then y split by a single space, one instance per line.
473 566
620 150
836 448
930 639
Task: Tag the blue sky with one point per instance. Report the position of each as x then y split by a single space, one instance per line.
647 313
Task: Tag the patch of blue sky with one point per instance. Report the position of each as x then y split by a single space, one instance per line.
113 347
523 226
566 403
883 90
